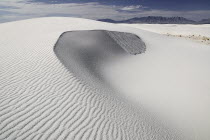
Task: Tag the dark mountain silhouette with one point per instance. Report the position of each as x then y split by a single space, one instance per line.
158 20
205 21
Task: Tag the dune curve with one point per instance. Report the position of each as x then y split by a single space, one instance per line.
42 99
86 52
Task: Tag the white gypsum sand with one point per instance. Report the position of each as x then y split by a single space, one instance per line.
160 94
172 77
199 33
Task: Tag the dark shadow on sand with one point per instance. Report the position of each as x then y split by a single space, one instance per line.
85 52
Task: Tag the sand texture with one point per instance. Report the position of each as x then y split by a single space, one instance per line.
71 78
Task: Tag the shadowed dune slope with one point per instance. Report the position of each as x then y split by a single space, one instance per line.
86 52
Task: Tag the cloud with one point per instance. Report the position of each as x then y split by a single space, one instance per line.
24 9
7 7
132 7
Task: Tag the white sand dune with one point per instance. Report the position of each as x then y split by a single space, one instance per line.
199 33
162 94
176 29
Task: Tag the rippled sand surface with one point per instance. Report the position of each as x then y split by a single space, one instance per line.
50 91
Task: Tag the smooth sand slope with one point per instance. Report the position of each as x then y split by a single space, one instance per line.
50 91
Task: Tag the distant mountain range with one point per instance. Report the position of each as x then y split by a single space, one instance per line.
205 21
158 20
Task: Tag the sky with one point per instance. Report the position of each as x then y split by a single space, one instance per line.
12 10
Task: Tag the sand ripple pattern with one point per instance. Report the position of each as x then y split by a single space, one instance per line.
41 100
129 42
